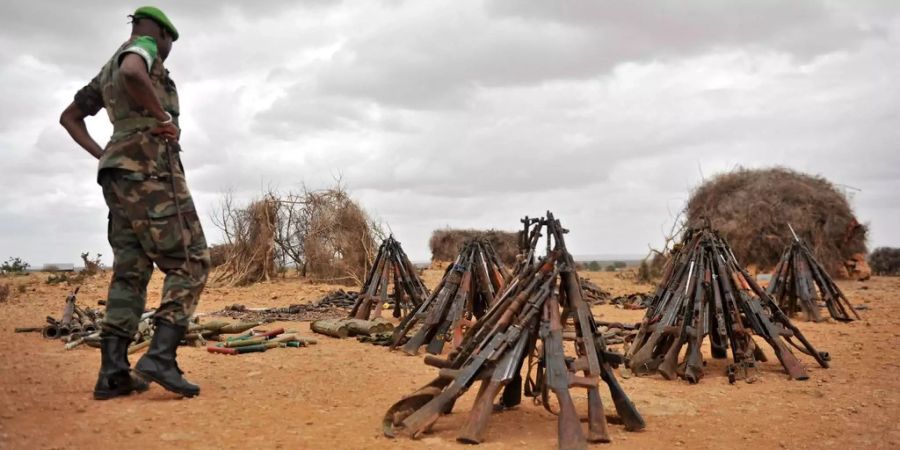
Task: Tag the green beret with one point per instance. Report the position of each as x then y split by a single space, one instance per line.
154 13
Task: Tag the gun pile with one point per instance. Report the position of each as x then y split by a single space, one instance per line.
794 284
635 300
332 305
706 292
408 289
463 294
527 319
259 341
341 328
593 294
75 323
617 332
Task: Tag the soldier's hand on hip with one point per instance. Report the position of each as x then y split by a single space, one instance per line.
167 131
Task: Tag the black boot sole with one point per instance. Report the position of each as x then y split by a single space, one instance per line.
107 395
167 386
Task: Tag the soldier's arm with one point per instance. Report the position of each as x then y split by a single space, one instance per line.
72 119
88 101
135 76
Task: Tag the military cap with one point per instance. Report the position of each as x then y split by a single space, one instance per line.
155 14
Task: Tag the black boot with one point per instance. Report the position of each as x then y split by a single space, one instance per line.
115 379
158 364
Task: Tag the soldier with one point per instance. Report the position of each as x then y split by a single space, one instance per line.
151 213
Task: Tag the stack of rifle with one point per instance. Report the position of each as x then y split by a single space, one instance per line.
408 289
794 284
332 305
636 300
706 292
463 294
593 294
526 320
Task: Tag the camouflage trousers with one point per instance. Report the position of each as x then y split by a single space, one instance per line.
146 227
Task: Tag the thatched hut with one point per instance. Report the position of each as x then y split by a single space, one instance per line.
752 209
446 243
324 234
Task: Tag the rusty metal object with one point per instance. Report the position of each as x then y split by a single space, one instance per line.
707 293
75 323
525 322
799 282
462 296
391 266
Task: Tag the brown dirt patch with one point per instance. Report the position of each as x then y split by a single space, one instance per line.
333 395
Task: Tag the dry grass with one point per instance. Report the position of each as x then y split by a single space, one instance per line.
250 255
339 242
324 234
446 243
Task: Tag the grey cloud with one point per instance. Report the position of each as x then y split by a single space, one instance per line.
468 114
299 113
437 60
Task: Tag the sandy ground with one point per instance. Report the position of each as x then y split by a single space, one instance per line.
333 395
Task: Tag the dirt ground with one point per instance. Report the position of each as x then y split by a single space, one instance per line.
333 395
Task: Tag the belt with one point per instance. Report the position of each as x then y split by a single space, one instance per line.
123 127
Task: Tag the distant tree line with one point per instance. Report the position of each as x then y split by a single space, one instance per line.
14 265
597 266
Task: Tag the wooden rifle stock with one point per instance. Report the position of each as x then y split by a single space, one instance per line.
569 432
477 421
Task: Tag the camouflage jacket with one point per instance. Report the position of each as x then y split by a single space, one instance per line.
131 146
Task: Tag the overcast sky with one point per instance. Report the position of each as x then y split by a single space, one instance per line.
467 113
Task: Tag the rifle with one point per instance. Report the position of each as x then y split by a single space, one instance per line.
382 292
504 334
629 414
739 353
719 339
586 347
363 307
643 359
505 371
776 286
437 309
754 312
569 433
456 309
408 322
667 367
831 291
693 368
473 341
681 264
804 290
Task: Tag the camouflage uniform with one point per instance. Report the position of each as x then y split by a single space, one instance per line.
151 214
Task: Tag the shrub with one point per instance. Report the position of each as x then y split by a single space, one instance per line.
885 261
91 266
